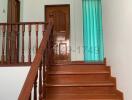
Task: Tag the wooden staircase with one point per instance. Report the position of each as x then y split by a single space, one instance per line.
81 81
67 81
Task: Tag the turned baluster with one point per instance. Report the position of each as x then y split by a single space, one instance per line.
37 37
40 81
23 31
30 98
16 44
3 44
29 45
35 87
44 74
9 44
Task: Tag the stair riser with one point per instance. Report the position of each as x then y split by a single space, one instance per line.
80 90
77 78
82 97
80 67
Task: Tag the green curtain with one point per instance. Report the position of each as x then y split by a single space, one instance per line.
92 31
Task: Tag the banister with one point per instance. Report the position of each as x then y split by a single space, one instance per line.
13 42
37 62
23 23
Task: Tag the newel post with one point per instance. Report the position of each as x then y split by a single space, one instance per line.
51 18
51 39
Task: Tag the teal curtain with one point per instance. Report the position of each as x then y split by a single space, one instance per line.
92 31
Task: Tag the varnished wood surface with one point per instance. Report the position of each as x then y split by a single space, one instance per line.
61 32
11 53
39 60
23 23
25 64
81 81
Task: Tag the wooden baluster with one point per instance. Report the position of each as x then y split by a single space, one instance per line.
37 37
16 44
44 74
35 88
44 68
3 44
29 45
9 44
30 98
40 81
23 31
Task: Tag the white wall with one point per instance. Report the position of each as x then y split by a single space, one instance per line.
11 81
3 10
34 11
117 19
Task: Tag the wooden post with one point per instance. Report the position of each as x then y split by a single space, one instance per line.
3 44
16 44
37 37
40 81
35 88
9 44
23 31
29 45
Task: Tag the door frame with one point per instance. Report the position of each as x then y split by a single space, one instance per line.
62 5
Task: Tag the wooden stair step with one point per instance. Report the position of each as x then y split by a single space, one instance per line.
79 69
65 67
77 63
82 97
77 78
77 72
81 90
84 84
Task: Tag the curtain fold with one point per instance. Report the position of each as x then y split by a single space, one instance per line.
92 31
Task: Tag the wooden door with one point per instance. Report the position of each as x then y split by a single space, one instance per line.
13 17
61 33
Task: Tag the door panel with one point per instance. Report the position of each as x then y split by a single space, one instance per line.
61 33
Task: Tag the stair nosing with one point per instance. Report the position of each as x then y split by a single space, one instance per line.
78 85
76 73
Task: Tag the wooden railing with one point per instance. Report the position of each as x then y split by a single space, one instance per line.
34 87
19 41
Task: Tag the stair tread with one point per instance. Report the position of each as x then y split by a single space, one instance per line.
93 83
77 63
79 72
82 97
81 90
78 66
74 69
77 78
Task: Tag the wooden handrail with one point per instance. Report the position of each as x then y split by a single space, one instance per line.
37 63
23 23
